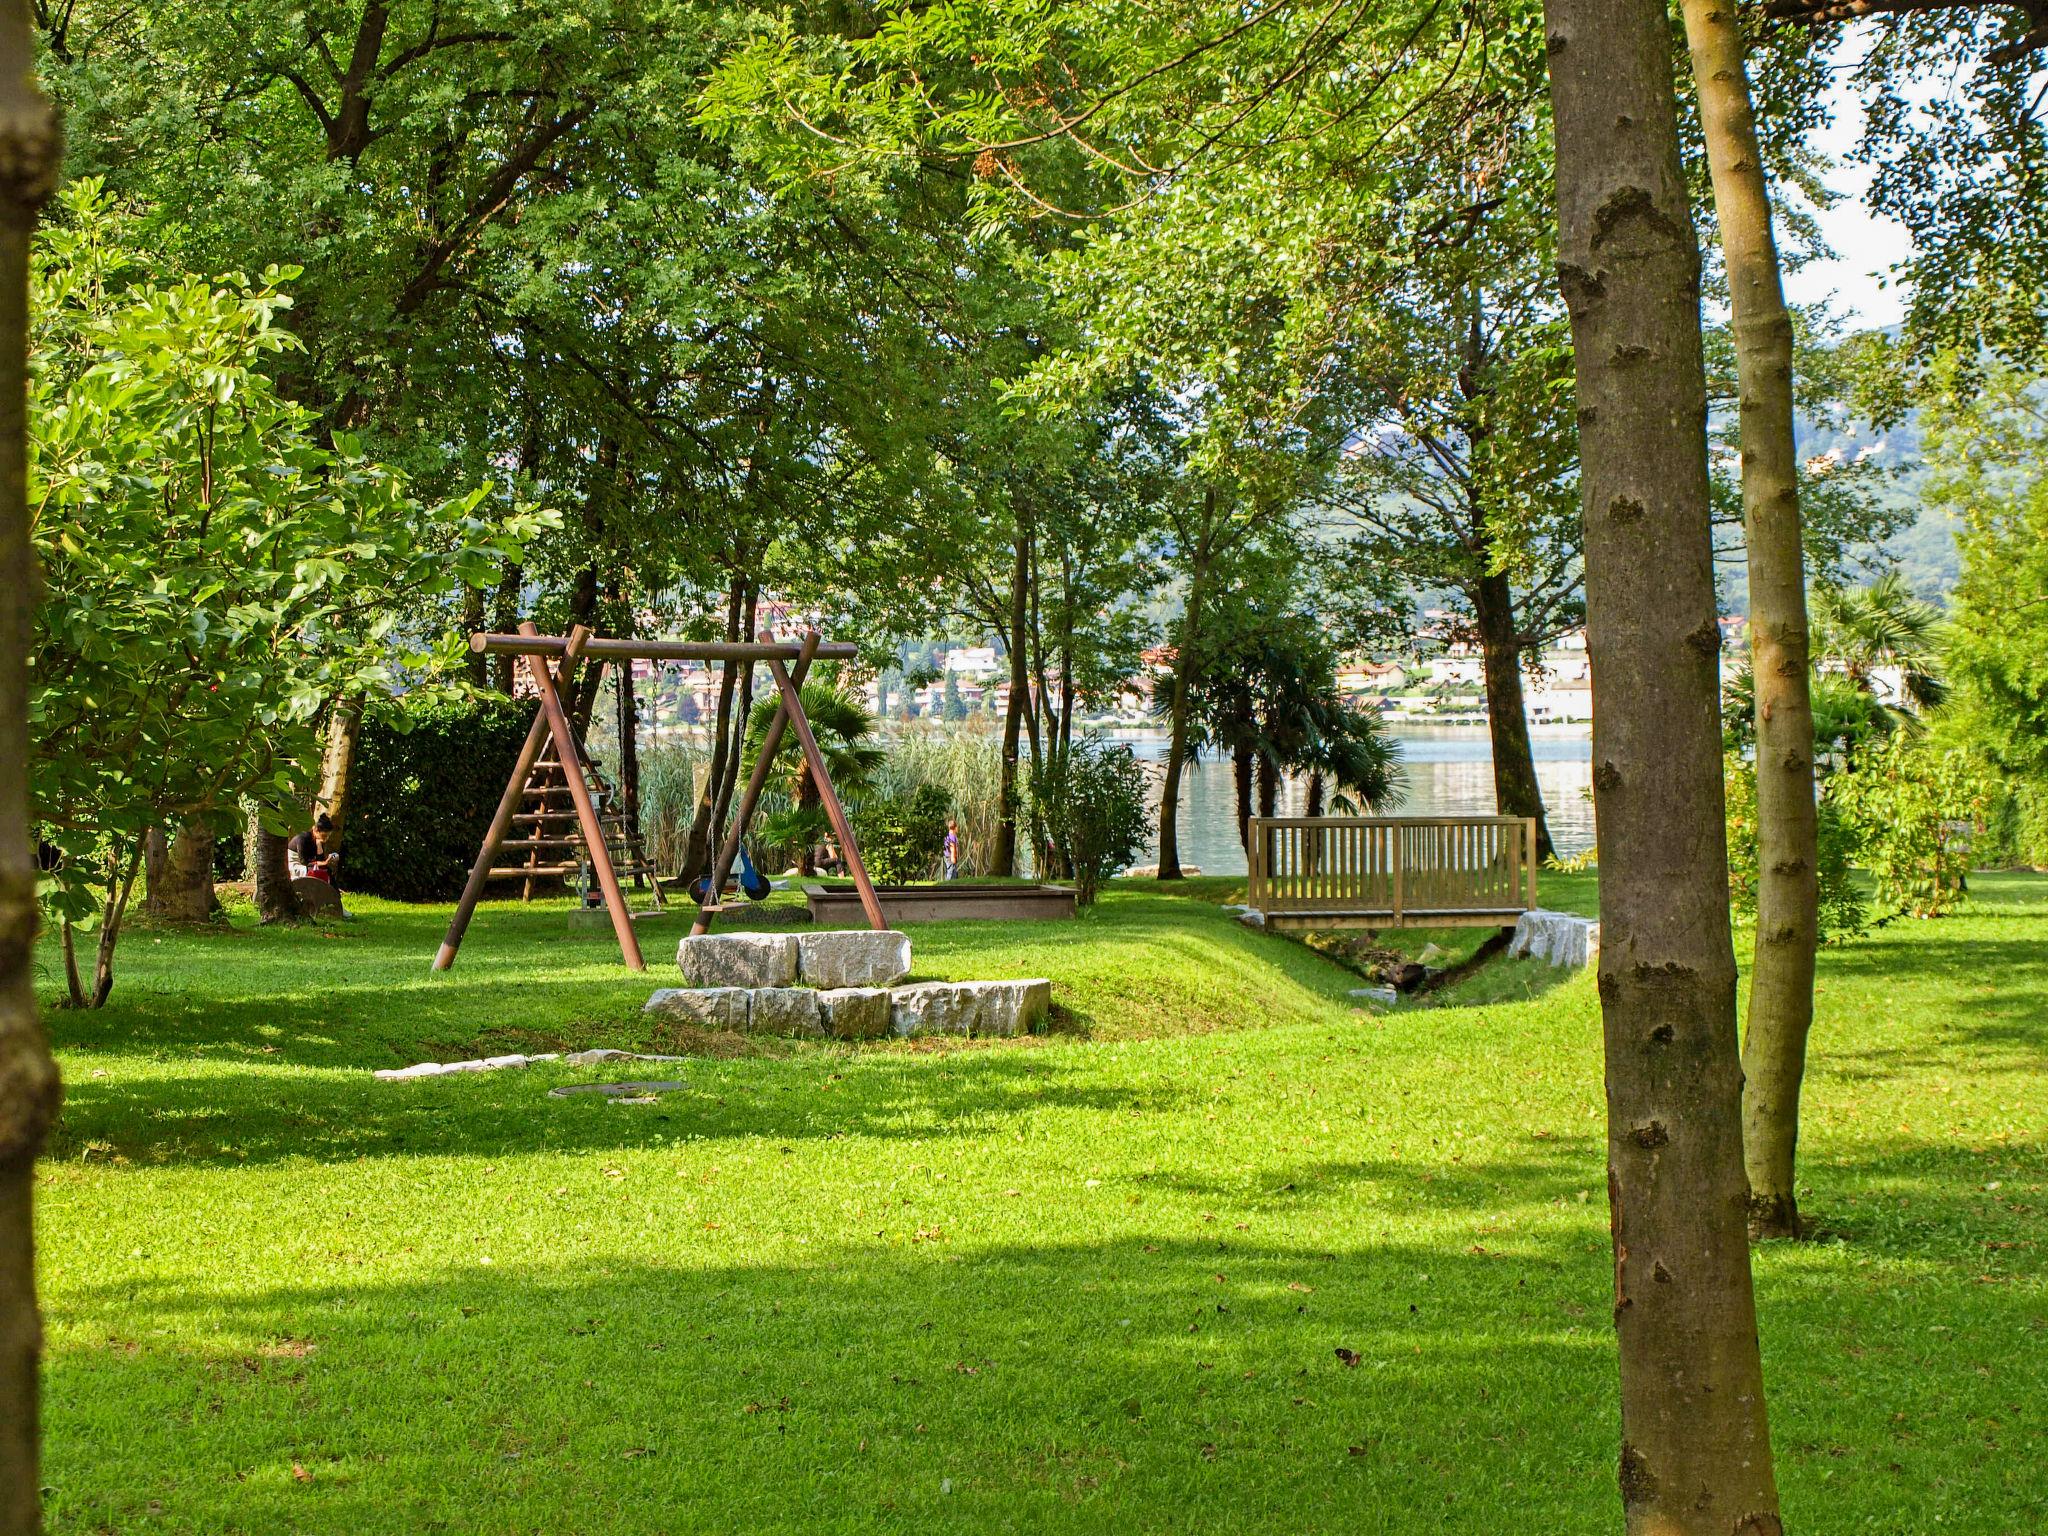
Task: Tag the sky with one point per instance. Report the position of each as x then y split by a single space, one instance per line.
1866 246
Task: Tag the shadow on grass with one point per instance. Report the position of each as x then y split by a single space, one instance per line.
1104 1386
222 1117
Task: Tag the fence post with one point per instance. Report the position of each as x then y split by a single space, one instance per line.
1529 850
1395 840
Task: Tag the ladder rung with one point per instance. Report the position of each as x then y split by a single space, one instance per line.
531 871
541 842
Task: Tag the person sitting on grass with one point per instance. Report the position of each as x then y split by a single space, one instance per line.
307 853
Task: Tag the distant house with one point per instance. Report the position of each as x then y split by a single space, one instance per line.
974 661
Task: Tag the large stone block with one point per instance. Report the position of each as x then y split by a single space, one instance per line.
738 959
969 1007
784 1011
715 1008
1558 937
853 957
855 1013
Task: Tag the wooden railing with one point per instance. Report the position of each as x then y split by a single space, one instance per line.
1432 871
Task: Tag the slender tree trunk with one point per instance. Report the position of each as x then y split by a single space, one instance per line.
337 764
1788 855
505 619
1241 770
1312 804
1177 734
120 886
697 857
1003 861
270 873
1695 1443
30 154
583 610
1269 787
743 707
1515 790
1066 717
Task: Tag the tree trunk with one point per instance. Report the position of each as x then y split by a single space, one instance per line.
120 886
1515 790
1177 734
30 154
582 610
1066 716
505 619
180 875
1241 775
270 873
698 853
1312 804
337 764
476 665
1788 855
1003 861
156 882
1269 787
1695 1443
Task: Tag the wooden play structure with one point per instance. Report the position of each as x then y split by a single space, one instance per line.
1392 871
553 661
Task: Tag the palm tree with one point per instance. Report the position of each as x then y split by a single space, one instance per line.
842 726
1862 629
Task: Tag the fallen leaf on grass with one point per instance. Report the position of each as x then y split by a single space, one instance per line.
300 1474
1350 1357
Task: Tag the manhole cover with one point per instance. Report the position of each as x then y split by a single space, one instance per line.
623 1093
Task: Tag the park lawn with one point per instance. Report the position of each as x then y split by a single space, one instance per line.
1220 1252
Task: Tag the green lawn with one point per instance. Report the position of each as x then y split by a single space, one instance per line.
1098 1281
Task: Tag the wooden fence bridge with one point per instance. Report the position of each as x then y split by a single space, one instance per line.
1392 871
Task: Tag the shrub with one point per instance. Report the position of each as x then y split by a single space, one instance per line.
1916 809
1094 803
901 835
1842 911
421 798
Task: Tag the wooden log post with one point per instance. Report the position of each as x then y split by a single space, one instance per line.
571 758
764 760
501 823
834 811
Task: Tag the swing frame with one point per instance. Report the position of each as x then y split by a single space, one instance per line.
787 665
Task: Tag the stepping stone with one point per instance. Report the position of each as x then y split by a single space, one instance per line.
620 1093
738 959
852 957
1385 995
592 1058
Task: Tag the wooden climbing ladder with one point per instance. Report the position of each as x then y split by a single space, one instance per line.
548 840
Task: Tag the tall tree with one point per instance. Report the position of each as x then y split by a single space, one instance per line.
30 150
1695 1451
1788 820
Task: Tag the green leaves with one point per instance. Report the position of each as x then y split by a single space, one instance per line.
213 576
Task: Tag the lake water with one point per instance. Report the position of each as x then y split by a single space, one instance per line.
1449 772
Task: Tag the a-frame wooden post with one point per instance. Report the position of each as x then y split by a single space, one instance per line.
501 823
764 760
571 758
792 705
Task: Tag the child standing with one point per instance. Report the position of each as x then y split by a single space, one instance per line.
952 853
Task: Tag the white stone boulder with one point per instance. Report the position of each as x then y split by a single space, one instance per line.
855 1013
738 959
969 1007
721 1008
1558 937
852 957
784 1011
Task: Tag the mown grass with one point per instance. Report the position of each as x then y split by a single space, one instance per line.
1092 1282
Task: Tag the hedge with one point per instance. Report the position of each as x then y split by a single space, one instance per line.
421 800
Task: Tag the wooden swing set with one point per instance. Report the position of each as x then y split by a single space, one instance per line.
787 665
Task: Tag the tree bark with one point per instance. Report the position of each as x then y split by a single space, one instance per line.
698 853
1003 860
1241 777
1515 790
1788 832
476 665
337 764
1695 1443
179 875
504 619
1177 734
31 151
270 873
